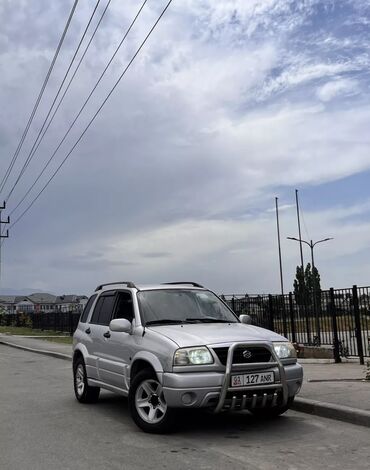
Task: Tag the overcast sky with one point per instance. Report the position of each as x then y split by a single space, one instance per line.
229 104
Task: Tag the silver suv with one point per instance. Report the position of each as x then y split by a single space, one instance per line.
178 345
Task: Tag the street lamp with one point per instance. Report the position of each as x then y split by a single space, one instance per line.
311 244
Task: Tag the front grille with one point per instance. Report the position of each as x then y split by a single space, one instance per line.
257 354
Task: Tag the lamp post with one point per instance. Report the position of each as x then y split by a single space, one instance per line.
312 244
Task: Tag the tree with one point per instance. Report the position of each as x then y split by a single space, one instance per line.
307 286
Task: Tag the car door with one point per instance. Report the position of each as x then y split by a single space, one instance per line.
119 347
99 332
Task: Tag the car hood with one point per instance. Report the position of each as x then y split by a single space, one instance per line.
209 334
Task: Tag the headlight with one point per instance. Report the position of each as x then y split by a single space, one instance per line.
192 356
285 350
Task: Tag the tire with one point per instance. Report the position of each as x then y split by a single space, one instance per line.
271 413
83 391
147 404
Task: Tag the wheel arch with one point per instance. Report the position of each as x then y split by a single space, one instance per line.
146 360
79 352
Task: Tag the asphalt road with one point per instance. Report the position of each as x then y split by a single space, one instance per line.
42 426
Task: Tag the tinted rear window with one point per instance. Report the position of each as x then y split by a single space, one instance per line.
103 309
106 310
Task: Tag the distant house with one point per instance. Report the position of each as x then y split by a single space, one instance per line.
16 303
70 303
8 303
24 306
42 303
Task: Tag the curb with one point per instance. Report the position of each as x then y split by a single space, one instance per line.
329 410
45 352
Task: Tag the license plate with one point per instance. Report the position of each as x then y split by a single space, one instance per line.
245 380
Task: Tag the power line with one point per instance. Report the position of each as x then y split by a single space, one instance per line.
39 139
95 115
20 144
82 107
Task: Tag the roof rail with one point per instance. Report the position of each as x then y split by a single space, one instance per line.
128 284
195 284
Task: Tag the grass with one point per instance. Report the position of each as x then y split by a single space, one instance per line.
24 331
48 335
61 340
59 337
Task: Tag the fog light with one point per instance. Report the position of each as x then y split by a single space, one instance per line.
188 398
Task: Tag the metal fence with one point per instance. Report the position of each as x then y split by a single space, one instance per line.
64 322
335 317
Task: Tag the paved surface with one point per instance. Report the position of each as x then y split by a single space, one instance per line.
337 383
42 426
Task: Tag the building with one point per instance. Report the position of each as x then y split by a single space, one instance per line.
70 303
42 303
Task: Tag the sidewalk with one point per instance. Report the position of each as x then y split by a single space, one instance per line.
337 383
336 391
62 351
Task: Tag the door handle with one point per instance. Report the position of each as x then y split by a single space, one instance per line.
88 331
106 334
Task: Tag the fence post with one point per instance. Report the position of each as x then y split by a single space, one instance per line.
285 328
271 314
291 314
233 303
333 312
70 318
356 311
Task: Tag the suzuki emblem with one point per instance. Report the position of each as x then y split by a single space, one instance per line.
247 354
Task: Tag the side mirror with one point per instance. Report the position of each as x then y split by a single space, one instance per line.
120 325
245 319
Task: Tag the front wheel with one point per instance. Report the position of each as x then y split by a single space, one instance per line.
147 404
274 412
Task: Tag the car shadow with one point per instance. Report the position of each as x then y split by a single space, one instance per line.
201 422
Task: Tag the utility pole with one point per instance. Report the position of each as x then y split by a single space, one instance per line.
281 267
279 246
1 232
299 230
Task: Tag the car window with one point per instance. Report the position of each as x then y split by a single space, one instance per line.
98 306
124 306
183 305
87 308
104 308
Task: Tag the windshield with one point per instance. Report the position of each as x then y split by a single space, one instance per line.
182 306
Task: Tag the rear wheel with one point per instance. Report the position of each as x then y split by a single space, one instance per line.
274 412
147 404
83 391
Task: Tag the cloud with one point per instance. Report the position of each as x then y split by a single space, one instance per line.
341 87
226 107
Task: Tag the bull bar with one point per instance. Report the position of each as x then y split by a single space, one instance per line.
225 388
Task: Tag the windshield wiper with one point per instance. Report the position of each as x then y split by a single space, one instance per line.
164 321
208 320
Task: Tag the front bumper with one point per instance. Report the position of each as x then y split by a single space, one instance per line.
212 389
